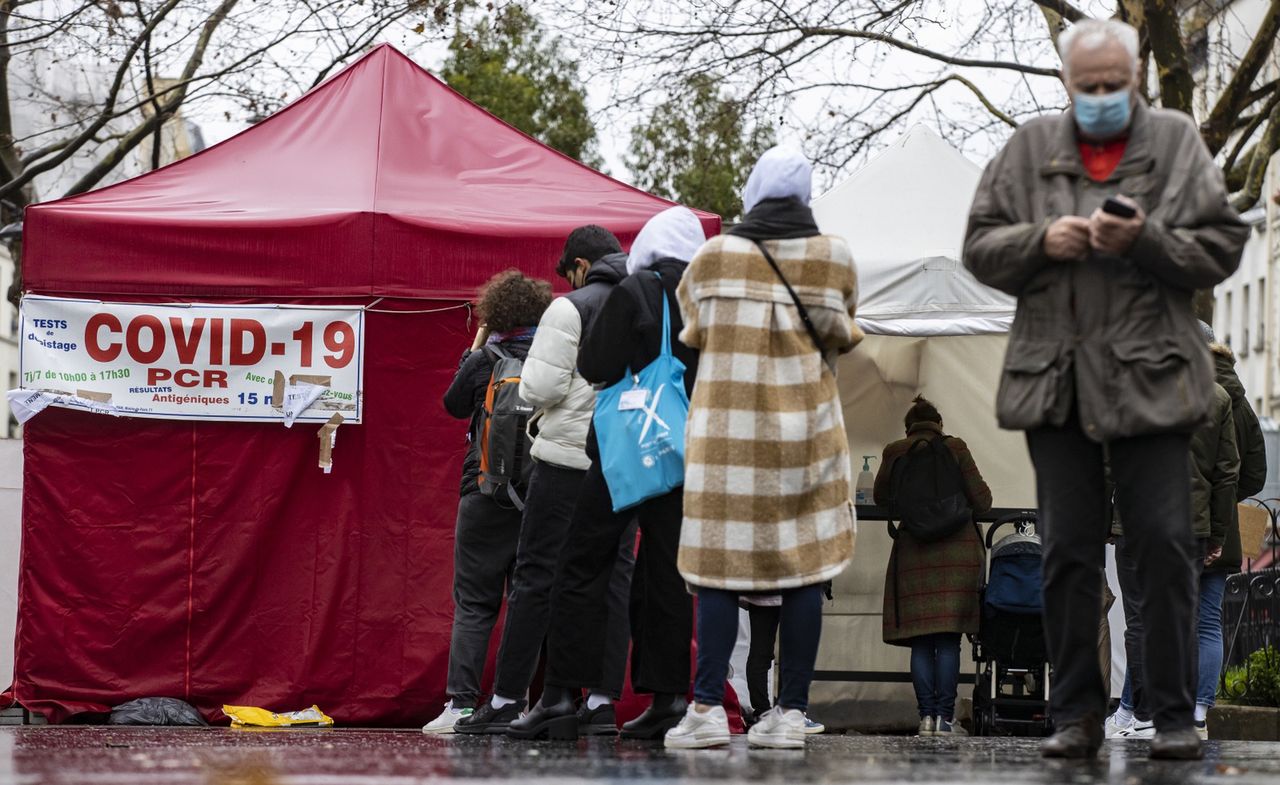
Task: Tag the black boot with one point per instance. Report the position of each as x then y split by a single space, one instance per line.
1176 745
555 717
1079 739
663 714
600 721
488 720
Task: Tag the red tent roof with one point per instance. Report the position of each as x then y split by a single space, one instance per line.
381 181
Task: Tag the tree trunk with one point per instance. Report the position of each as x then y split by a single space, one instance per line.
1164 33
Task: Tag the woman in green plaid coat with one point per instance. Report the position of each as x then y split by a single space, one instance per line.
931 589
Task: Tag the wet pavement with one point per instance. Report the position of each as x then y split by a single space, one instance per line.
67 755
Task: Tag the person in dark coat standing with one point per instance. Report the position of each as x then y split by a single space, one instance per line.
931 590
484 551
1102 221
625 334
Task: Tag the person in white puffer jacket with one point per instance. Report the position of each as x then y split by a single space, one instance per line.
592 263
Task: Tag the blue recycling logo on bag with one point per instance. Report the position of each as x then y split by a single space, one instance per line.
640 428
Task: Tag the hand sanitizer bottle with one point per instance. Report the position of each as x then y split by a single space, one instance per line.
864 493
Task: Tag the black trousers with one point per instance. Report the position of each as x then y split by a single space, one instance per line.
484 554
549 505
661 608
764 638
1153 496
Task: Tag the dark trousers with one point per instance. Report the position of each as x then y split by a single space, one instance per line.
764 637
935 673
549 505
661 608
484 553
800 626
1153 496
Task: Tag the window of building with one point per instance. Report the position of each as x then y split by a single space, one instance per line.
1260 336
1245 322
1224 333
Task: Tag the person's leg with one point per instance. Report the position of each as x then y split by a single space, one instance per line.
1132 698
923 674
1212 587
764 637
618 628
484 548
800 630
717 632
579 606
947 646
1153 496
1069 484
664 633
549 503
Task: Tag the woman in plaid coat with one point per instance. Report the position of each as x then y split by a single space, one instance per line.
931 589
766 504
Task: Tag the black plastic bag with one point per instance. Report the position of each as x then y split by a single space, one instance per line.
155 711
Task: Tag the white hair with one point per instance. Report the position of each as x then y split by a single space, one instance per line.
1094 33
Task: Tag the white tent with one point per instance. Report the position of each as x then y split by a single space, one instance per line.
932 329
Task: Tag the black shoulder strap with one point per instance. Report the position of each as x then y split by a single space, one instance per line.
804 313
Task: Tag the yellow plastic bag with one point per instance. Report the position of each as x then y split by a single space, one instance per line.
253 717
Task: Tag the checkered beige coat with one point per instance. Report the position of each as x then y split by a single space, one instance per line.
767 476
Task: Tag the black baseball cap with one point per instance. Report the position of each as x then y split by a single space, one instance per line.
590 242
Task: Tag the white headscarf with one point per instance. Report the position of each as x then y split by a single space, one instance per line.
675 232
781 173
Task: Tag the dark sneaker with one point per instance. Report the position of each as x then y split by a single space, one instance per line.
487 719
601 721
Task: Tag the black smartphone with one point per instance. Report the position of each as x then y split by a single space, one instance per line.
1118 208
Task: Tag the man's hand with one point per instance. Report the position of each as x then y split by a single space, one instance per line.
1067 239
1111 234
1214 554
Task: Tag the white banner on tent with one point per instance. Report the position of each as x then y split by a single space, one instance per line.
195 361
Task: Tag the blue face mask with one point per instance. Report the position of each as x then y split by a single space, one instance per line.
1102 116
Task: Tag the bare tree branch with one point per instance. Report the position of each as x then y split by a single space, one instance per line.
1216 129
1063 9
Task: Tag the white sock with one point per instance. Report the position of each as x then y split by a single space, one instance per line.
1202 712
595 700
499 702
1124 716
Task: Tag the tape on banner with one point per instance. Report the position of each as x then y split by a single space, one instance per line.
90 395
327 435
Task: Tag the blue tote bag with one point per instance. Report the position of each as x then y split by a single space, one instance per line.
640 428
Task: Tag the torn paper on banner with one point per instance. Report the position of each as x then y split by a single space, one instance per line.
298 398
26 404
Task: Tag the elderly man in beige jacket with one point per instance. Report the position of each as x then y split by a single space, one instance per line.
1103 221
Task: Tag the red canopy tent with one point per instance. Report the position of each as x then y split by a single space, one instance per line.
213 561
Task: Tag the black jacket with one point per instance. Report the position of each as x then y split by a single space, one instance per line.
1252 449
465 399
627 332
604 274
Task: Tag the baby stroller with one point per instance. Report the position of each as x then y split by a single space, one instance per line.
1011 693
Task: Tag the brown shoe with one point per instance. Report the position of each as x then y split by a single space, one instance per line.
1176 745
1079 739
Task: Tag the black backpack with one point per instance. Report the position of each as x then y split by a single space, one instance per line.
503 432
927 492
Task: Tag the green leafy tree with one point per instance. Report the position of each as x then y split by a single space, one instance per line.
698 148
506 64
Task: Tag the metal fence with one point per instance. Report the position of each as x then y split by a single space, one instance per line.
1251 606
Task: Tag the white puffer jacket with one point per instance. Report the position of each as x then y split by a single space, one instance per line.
550 381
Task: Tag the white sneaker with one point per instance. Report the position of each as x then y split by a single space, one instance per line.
447 719
927 726
813 727
948 728
1139 730
699 729
779 728
1113 727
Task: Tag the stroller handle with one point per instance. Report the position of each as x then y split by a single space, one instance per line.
1022 516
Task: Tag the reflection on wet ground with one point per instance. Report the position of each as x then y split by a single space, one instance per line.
365 757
